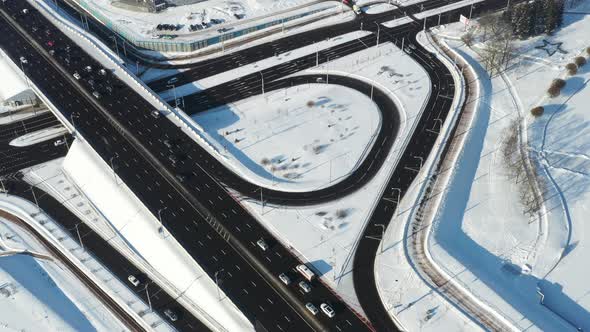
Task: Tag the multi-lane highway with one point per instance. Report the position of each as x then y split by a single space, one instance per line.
186 182
212 227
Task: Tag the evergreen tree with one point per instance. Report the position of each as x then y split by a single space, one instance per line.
551 15
520 20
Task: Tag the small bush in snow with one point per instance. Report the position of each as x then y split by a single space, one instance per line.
310 103
537 111
265 161
553 91
572 69
580 61
588 50
558 83
341 213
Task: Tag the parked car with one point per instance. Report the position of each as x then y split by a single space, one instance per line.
155 114
77 75
96 94
23 59
172 80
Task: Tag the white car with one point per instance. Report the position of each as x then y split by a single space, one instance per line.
133 280
262 244
172 80
77 76
327 310
311 308
304 286
59 142
96 94
23 59
285 278
171 315
156 114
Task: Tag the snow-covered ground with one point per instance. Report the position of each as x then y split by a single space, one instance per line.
288 144
11 83
143 24
41 295
482 236
39 136
325 235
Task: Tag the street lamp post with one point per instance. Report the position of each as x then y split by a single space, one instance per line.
217 284
113 167
116 45
421 160
79 237
382 235
160 217
147 294
174 92
262 82
378 32
34 196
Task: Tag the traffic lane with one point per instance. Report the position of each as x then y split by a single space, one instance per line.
423 140
275 301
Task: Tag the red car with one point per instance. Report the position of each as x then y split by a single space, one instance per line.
50 43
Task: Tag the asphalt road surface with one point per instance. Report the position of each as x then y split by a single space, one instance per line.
228 217
15 158
199 212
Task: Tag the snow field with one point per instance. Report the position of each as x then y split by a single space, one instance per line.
483 237
42 295
298 139
39 136
12 83
143 24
